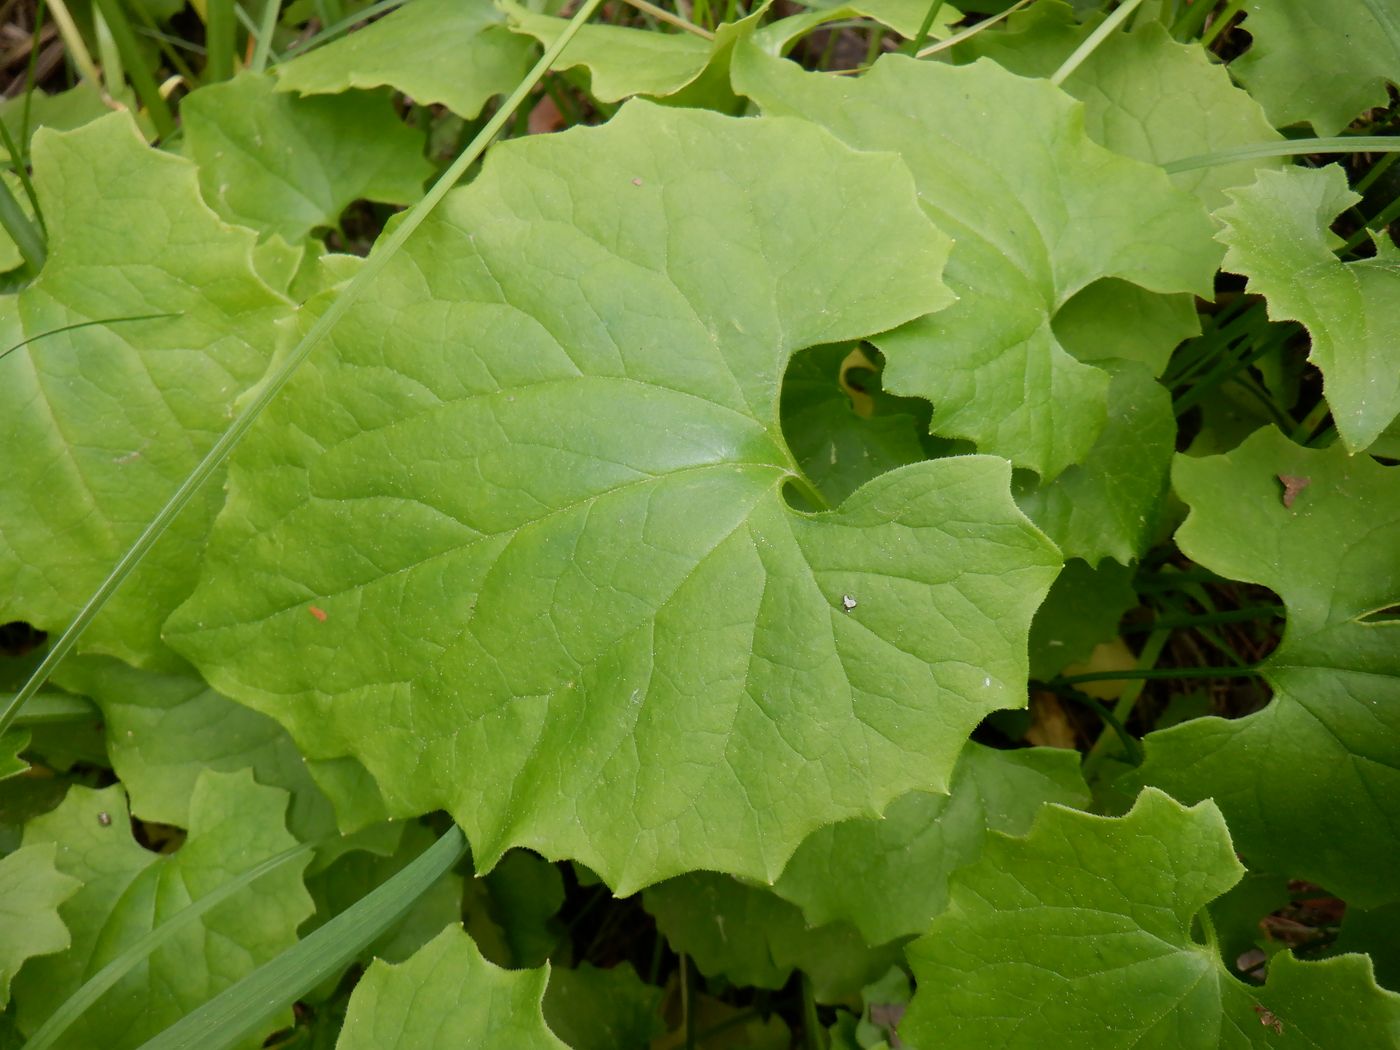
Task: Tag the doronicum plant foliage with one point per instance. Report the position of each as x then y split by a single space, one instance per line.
632 526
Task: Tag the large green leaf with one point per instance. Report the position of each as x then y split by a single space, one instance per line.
1144 94
1320 63
519 542
454 52
1038 212
1082 609
128 890
1311 784
1108 505
1278 236
447 997
889 877
284 165
753 937
164 730
100 424
595 1009
31 889
1081 935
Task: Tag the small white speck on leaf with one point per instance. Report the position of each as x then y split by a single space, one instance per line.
847 603
987 682
105 819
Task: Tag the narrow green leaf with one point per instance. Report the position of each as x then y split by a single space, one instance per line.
22 230
138 66
218 40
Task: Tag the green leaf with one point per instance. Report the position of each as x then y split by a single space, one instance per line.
594 1009
1038 212
127 891
1082 609
1323 66
1145 95
101 423
753 937
1310 784
63 111
1278 236
600 631
447 997
622 61
284 165
526 895
31 889
842 429
889 877
12 743
456 53
353 876
164 730
1108 505
1114 321
1081 934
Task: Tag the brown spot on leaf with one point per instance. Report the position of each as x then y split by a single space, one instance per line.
1268 1019
1292 485
105 819
317 611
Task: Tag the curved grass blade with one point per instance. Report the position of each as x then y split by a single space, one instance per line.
271 384
81 324
1289 148
238 1011
72 1008
342 27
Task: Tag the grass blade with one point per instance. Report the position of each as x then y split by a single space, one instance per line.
275 380
80 324
266 27
238 1011
1093 40
1288 148
143 78
24 233
218 40
93 988
50 708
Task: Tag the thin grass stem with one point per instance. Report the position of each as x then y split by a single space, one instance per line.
74 44
218 40
971 31
266 27
1093 40
1289 148
662 15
